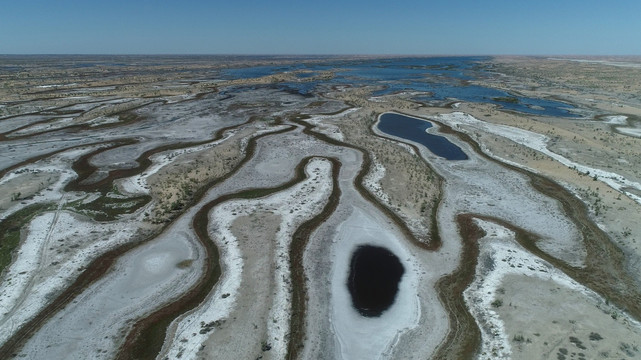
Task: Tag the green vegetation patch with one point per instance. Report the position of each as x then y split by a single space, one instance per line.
10 230
107 208
316 104
506 99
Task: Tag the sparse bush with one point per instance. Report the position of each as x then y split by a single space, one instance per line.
265 346
574 340
595 336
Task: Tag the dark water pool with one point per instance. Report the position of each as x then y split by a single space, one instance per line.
374 275
414 129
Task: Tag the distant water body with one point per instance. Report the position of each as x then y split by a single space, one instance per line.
438 79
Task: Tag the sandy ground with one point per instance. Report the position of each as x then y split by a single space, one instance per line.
567 320
24 186
526 308
597 84
249 316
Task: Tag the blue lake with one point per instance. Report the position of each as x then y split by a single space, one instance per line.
413 129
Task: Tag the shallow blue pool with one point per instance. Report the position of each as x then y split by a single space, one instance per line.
414 129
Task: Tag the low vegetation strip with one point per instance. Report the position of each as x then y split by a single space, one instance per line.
126 116
32 160
299 242
464 337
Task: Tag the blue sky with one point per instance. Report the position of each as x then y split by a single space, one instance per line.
324 27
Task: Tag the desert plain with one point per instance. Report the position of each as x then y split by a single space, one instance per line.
211 207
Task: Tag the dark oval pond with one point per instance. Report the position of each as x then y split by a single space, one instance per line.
374 275
413 129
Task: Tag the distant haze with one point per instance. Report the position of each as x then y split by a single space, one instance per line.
585 27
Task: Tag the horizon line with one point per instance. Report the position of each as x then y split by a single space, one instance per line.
313 55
